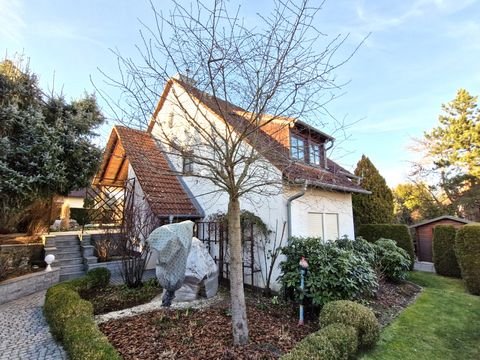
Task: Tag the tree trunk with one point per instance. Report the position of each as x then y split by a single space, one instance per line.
239 309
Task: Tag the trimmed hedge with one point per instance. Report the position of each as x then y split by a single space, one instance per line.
334 342
353 314
444 257
467 249
71 318
397 232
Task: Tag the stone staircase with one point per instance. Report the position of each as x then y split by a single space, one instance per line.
68 255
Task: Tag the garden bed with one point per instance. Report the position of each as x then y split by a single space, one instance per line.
119 297
206 333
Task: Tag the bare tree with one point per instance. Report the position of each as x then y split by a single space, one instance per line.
280 64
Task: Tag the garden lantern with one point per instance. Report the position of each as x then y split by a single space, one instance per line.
303 270
49 259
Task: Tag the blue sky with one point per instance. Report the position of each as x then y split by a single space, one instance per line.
418 54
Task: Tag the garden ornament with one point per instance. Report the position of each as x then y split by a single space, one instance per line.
49 259
303 270
172 244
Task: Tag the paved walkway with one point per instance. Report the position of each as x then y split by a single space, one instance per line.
24 332
424 266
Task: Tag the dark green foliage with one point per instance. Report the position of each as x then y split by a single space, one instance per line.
391 261
334 342
467 249
45 143
399 233
71 322
80 215
384 256
352 314
444 256
313 346
376 208
334 273
98 278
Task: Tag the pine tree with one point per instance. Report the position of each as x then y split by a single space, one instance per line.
376 208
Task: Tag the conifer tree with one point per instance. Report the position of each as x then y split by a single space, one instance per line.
376 208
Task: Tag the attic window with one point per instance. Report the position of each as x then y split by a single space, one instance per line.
187 164
314 155
297 148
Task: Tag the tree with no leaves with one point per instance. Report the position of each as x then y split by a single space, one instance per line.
282 66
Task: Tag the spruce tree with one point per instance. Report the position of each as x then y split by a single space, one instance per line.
376 208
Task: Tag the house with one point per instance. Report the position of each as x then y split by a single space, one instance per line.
305 190
424 234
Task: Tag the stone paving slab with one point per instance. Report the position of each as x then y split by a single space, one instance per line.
24 332
424 266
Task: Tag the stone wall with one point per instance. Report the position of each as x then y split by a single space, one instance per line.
20 286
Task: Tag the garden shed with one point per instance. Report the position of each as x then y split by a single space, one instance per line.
423 234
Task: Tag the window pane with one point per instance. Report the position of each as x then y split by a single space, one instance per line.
297 148
314 154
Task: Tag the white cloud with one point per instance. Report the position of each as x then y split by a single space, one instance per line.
11 20
59 30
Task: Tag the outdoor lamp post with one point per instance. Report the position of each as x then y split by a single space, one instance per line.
303 270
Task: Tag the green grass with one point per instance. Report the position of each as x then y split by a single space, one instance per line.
444 323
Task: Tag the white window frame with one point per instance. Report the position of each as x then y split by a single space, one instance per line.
323 235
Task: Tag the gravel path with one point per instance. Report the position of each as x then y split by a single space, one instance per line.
24 332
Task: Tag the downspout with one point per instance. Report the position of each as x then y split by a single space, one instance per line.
289 208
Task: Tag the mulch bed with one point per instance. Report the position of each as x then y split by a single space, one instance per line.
206 333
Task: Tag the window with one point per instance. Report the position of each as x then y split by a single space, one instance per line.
324 225
187 165
314 155
297 148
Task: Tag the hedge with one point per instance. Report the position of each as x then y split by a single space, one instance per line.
467 249
444 257
397 232
353 314
71 318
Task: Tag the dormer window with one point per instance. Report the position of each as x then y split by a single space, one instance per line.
314 154
297 148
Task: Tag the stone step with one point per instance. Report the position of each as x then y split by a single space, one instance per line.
71 269
68 237
70 261
73 242
68 248
72 275
68 255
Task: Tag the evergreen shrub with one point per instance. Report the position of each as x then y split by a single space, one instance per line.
467 249
397 232
444 257
353 314
391 260
334 273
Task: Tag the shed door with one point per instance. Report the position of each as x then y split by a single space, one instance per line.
425 244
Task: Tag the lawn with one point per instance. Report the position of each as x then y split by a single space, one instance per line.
444 323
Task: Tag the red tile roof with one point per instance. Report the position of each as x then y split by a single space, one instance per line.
163 190
274 147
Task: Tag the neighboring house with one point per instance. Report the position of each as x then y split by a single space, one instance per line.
424 234
312 195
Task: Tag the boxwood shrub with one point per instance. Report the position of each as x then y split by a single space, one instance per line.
399 233
336 341
334 273
353 314
444 257
467 249
71 319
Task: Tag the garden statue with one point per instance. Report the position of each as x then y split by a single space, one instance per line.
172 244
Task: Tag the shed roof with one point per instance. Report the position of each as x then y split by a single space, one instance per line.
444 217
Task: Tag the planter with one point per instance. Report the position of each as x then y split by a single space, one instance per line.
21 286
